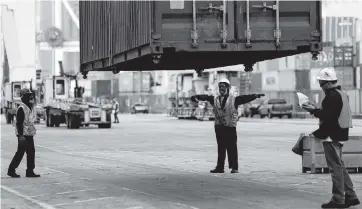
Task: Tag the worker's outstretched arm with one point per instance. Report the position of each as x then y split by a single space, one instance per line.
203 97
331 110
243 99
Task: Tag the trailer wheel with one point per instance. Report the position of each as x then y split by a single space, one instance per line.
107 125
74 122
51 120
67 121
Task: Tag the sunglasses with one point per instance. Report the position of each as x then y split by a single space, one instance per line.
223 86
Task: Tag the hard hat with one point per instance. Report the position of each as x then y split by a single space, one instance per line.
225 80
327 74
24 91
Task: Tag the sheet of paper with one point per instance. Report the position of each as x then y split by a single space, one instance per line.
304 102
303 99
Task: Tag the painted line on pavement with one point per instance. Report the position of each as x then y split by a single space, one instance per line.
46 184
189 206
83 201
67 192
189 171
28 198
57 171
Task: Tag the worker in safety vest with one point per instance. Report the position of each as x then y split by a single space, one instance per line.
25 131
225 108
335 121
116 110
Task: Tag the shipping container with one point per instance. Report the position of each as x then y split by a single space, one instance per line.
101 88
336 28
256 82
345 77
302 80
178 35
201 85
115 87
125 84
343 56
137 82
325 58
287 80
314 84
359 77
146 81
303 61
270 81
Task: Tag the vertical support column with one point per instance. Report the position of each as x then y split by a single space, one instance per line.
37 29
58 52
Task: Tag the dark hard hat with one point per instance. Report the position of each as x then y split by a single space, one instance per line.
24 91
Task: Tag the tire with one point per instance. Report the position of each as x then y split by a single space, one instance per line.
67 121
74 122
106 125
280 116
46 116
290 116
57 121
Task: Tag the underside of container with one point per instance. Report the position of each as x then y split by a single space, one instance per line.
177 35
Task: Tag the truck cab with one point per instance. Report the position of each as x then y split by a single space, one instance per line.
61 107
12 98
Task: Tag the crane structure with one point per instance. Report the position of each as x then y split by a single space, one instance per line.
55 102
18 49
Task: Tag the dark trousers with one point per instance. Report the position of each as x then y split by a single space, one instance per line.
342 184
24 146
226 141
116 117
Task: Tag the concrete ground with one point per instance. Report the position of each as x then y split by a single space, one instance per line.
154 161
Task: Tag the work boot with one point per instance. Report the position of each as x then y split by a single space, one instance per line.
234 171
31 174
333 204
217 170
351 202
13 174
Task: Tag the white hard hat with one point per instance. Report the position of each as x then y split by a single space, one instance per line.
224 80
327 74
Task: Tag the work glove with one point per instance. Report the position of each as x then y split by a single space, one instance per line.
310 107
259 95
193 98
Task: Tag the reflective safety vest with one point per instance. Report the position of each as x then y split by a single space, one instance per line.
345 117
28 124
116 107
228 116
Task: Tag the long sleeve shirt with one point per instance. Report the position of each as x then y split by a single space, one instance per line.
329 115
239 100
20 116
